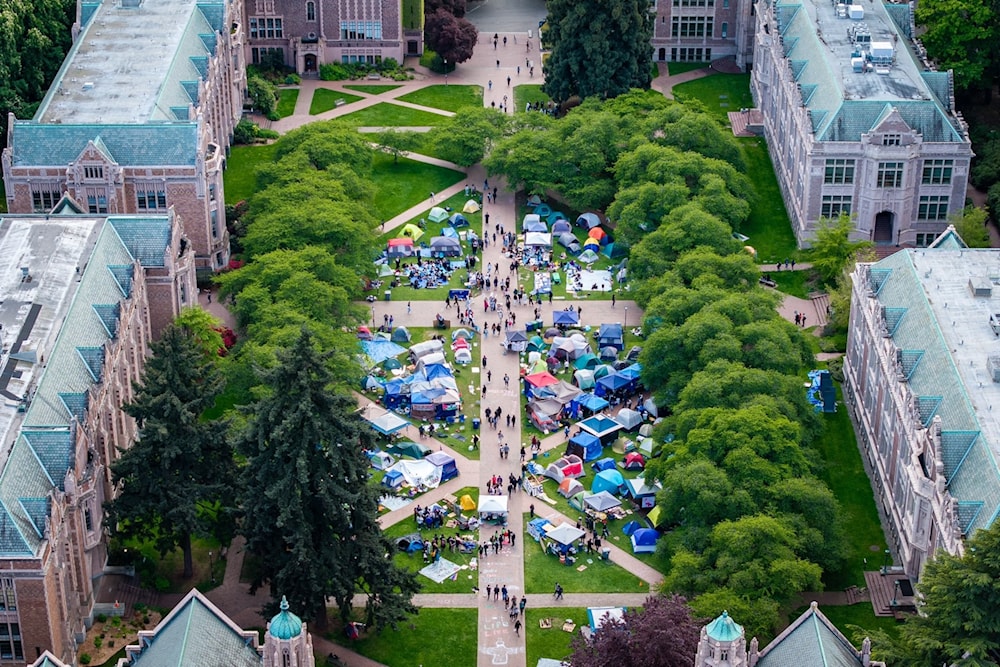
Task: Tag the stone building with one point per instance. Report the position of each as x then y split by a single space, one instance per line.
81 296
811 640
304 34
921 378
122 132
701 31
856 122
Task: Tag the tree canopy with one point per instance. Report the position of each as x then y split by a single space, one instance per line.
963 36
311 515
451 37
599 48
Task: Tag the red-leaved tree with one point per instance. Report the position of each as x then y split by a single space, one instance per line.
453 39
663 634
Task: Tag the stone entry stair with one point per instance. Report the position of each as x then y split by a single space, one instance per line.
820 301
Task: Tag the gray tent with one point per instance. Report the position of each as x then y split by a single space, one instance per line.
516 341
588 221
628 418
443 246
561 226
609 353
401 335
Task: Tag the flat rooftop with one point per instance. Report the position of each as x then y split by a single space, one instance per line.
130 64
53 251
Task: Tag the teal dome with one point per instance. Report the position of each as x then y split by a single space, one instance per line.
724 629
285 625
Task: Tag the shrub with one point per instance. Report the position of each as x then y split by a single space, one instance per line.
140 607
293 79
101 618
111 643
334 72
117 620
98 642
245 132
267 134
85 658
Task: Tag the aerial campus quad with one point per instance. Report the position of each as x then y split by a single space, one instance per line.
116 200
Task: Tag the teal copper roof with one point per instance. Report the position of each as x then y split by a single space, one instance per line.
724 629
285 625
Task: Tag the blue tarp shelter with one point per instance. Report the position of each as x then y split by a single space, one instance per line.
565 318
460 294
644 541
610 335
586 446
590 401
607 463
449 232
607 480
536 528
379 350
397 393
609 384
631 527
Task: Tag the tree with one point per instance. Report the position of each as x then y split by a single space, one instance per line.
600 48
262 94
468 136
179 459
395 143
456 7
963 36
452 38
664 633
970 223
833 249
959 596
311 514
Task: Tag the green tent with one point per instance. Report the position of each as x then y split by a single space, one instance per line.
588 361
438 214
409 448
577 501
412 231
535 344
601 371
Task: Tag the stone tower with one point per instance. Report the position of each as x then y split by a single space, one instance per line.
287 643
722 644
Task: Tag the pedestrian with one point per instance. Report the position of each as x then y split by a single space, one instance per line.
489 589
503 592
803 320
523 603
531 510
494 189
508 82
484 361
210 297
496 593
498 64
517 627
490 82
506 381
432 196
519 74
409 308
505 40
513 421
558 592
486 216
612 300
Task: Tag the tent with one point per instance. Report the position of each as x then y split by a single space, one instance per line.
458 220
516 341
566 466
589 401
569 487
587 361
370 383
615 250
646 430
493 505
629 419
410 543
588 256
463 356
412 231
561 226
402 247
536 381
410 449
400 335
557 215
427 347
601 502
607 480
584 445
433 359
565 535
446 462
437 214
471 206
610 384
460 344
420 473
467 503
644 541
380 460
537 526
597 616
462 333
387 423
529 219
599 234
543 210
642 492
364 333
565 318
592 244
588 221
442 246
631 527
607 463
393 479
537 240
655 516
568 241
536 226
534 200
449 232
602 371
609 353
651 408
576 502
602 427
611 334
634 461
535 343
585 380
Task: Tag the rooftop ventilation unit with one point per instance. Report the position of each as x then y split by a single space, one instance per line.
993 366
981 287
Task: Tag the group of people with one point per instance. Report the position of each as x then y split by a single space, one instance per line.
429 517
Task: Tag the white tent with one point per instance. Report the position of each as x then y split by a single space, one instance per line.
463 356
419 473
493 504
425 348
628 418
602 501
538 240
428 359
381 460
564 533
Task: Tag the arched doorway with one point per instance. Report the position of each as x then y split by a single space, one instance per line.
883 227
662 55
309 62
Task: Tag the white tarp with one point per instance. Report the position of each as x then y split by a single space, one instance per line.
419 473
440 570
564 533
425 348
538 240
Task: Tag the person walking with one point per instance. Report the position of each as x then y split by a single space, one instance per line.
517 627
490 82
531 510
409 308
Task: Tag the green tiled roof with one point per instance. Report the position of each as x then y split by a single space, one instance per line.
194 634
854 118
152 144
146 239
724 629
810 641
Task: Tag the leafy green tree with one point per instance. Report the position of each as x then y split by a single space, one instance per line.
957 625
698 494
964 36
469 135
599 49
759 617
262 94
179 460
833 249
395 143
311 514
203 328
970 223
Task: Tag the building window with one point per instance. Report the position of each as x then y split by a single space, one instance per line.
839 172
97 201
88 520
270 55
691 26
892 139
150 197
45 197
8 597
924 240
694 3
834 205
723 654
690 55
215 223
937 172
265 28
725 4
933 207
93 173
890 174
361 30
725 30
10 642
310 11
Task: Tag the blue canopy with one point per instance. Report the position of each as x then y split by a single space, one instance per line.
434 371
610 383
449 232
607 463
565 318
591 402
588 447
632 372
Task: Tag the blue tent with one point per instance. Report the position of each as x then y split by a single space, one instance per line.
607 480
543 210
607 463
591 402
565 318
536 527
396 393
585 445
393 479
632 372
458 220
449 232
644 541
610 335
610 383
631 527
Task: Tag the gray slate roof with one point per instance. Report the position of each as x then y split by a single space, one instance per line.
810 641
153 144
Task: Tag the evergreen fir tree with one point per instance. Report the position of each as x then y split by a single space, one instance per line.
311 514
179 460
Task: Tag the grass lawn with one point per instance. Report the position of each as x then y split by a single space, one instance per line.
432 637
845 475
795 283
448 98
392 115
860 615
169 572
372 89
404 183
240 179
551 642
542 572
674 69
720 93
325 99
768 226
286 101
528 92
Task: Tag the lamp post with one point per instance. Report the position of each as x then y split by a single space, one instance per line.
626 318
373 314
211 566
885 562
446 71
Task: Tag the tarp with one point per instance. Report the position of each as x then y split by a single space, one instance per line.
437 214
419 473
588 220
449 232
560 226
602 501
493 504
565 318
409 448
610 383
427 347
387 423
597 616
471 206
584 445
585 380
541 379
569 487
379 350
644 541
433 359
629 419
607 480
458 220
400 335
536 527
537 240
607 463
590 401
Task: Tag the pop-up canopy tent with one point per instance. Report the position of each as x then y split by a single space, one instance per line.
569 487
603 427
601 502
607 480
589 401
493 505
610 384
644 541
598 616
516 341
386 423
584 445
565 318
628 418
443 246
437 214
446 463
537 240
537 381
564 535
458 220
393 479
588 221
401 247
409 448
